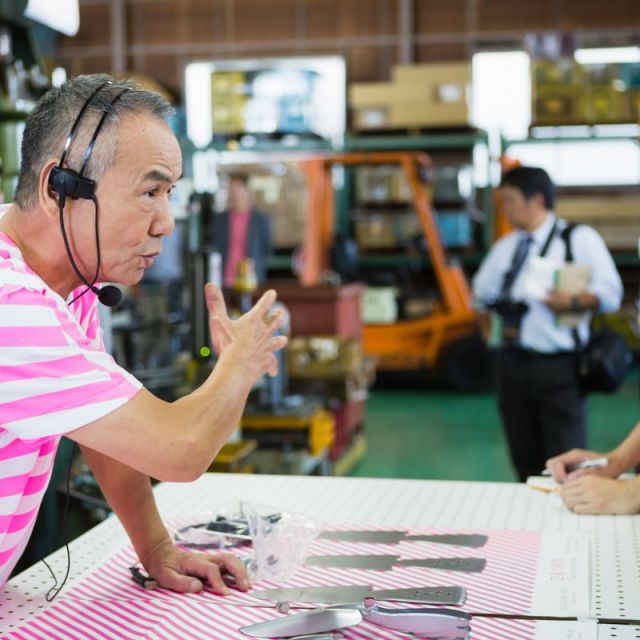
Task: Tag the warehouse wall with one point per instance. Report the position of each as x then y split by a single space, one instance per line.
158 37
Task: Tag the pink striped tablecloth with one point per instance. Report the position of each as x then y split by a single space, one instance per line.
108 604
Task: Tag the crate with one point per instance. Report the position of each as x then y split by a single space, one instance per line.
323 310
349 419
376 231
323 357
601 75
556 105
562 72
605 104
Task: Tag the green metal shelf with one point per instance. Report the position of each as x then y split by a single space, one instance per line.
423 141
400 259
626 259
270 146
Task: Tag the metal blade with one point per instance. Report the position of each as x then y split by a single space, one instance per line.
328 594
357 593
470 565
318 621
384 563
425 595
381 537
423 623
462 539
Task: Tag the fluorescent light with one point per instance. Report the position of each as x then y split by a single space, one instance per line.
62 15
610 54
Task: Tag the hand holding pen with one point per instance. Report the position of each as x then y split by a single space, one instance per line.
577 461
592 463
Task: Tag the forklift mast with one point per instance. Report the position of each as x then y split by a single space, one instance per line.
448 338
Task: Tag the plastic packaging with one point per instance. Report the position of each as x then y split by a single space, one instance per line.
280 546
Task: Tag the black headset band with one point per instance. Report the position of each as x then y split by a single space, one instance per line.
89 149
78 119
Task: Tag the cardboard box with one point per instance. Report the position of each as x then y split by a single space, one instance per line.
431 75
371 118
589 208
371 94
429 114
419 96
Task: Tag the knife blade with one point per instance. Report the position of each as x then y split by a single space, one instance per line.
307 623
386 563
358 593
470 565
380 537
462 539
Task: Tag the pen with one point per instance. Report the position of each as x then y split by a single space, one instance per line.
142 579
594 463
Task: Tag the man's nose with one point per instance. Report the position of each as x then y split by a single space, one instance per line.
164 223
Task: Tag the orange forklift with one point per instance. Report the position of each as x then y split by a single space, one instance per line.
448 339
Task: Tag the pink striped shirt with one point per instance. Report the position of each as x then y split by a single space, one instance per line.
54 377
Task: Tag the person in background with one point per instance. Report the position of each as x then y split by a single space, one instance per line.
598 491
539 396
57 378
241 232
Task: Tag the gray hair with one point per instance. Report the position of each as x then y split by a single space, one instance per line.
50 122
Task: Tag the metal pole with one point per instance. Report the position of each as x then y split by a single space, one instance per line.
118 49
405 31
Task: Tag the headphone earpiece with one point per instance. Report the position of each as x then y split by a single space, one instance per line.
69 183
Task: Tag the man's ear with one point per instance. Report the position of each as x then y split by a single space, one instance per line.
538 200
47 197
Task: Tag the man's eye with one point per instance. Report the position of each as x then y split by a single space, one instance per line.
152 192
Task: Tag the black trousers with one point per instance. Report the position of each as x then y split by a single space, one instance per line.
542 409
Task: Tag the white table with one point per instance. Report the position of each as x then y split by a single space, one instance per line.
615 584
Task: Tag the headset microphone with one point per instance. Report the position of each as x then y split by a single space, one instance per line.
69 183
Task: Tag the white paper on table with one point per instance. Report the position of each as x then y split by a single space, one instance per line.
563 576
538 277
547 629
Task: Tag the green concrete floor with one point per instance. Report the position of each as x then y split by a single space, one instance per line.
426 433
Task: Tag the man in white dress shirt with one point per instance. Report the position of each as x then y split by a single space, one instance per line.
542 407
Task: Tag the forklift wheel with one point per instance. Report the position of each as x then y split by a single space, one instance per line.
467 365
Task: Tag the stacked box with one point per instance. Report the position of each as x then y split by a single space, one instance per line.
566 92
616 218
228 101
382 184
422 95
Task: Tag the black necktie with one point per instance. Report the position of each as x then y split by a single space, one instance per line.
519 258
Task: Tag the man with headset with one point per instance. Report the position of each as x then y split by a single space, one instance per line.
92 204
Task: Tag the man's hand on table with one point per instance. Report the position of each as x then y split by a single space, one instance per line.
181 571
591 494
